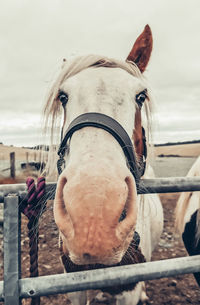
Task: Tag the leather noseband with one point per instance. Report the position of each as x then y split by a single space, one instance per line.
99 120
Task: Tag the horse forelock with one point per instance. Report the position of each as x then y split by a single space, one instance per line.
53 109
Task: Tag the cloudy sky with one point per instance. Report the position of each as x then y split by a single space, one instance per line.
36 35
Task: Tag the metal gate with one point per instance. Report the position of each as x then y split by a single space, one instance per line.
13 288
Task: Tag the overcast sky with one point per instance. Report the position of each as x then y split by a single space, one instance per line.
36 35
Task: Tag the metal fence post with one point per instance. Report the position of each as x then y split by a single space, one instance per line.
12 164
12 250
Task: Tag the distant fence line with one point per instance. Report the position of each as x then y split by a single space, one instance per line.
177 143
32 160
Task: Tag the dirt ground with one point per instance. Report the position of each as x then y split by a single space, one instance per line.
183 150
177 290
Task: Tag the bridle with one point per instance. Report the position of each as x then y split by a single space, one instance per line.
99 120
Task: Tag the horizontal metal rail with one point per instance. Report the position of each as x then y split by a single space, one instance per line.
101 278
146 186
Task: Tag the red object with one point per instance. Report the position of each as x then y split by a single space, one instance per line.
32 208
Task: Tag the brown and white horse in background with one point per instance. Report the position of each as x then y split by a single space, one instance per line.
96 188
187 216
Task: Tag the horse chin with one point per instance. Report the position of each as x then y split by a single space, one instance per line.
115 256
133 255
89 263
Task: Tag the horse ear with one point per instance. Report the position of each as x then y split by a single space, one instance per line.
141 51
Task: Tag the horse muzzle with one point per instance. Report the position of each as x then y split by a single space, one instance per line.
96 216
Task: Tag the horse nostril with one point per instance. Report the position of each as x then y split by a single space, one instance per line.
125 210
86 256
123 215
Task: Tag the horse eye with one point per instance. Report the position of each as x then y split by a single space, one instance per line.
141 97
63 98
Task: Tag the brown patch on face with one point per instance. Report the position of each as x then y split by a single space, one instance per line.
138 135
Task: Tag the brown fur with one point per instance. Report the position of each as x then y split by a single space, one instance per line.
141 51
137 134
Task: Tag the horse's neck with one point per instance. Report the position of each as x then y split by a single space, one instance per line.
194 204
150 219
149 172
195 169
188 202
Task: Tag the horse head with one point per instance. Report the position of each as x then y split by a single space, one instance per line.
95 205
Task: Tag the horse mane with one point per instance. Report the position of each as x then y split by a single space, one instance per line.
184 200
53 110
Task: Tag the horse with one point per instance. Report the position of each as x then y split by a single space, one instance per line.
187 217
102 108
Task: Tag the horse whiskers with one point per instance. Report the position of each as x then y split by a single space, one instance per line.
130 254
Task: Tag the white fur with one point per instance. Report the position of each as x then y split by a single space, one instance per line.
99 90
188 203
111 91
150 219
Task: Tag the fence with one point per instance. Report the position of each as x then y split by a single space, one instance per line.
13 288
32 159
